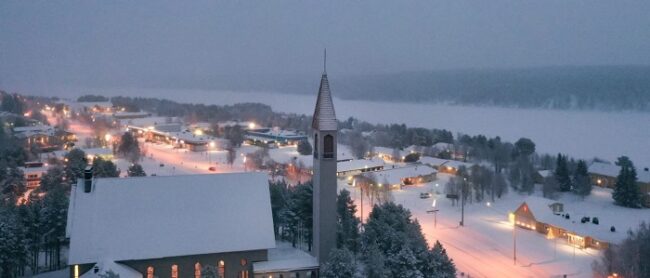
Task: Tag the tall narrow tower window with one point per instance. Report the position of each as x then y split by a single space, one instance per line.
328 146
174 271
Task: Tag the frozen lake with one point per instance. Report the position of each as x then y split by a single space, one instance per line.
583 134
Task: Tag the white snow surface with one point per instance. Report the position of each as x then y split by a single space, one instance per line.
154 217
285 258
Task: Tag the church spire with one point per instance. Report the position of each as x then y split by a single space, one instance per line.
324 115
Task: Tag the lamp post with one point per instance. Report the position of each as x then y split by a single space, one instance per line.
209 153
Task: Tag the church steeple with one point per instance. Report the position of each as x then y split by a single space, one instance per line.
324 115
324 131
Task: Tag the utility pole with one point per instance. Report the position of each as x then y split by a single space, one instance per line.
514 239
462 202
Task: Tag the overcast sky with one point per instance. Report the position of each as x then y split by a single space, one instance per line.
71 40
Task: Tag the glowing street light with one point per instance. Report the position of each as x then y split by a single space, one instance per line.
251 125
108 137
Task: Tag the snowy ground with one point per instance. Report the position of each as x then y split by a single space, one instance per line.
484 246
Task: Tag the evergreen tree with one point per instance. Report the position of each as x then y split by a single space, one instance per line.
375 262
279 194
403 264
392 232
339 265
304 148
347 232
13 248
55 213
562 173
626 193
581 182
136 170
443 265
53 178
104 168
129 147
12 186
75 163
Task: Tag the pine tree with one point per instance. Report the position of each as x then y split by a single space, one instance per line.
129 147
404 264
136 170
13 248
53 178
339 265
347 234
581 182
375 262
304 148
626 193
75 163
104 168
444 266
562 173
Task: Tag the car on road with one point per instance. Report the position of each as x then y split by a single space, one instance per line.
425 195
212 168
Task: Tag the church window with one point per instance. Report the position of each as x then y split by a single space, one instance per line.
150 272
221 269
174 271
328 146
197 270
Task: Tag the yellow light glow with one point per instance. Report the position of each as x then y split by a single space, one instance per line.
76 271
108 137
212 144
251 125
198 132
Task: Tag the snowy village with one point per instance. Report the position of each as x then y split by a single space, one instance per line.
189 183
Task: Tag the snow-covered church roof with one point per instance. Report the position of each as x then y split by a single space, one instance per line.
165 216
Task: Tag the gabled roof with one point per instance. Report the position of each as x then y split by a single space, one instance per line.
612 170
155 217
324 115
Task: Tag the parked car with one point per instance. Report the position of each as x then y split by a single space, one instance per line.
212 168
425 195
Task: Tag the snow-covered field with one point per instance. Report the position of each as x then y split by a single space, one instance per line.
583 134
484 246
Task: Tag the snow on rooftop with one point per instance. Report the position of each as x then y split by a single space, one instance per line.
395 175
285 258
612 170
437 162
357 164
155 217
598 204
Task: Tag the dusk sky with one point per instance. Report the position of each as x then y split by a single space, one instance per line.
57 41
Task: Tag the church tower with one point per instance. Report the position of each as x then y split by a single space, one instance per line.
324 131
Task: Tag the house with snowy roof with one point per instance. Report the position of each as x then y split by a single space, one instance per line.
397 177
177 226
444 165
588 224
352 167
604 174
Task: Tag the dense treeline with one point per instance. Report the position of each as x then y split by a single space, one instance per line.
561 87
595 87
